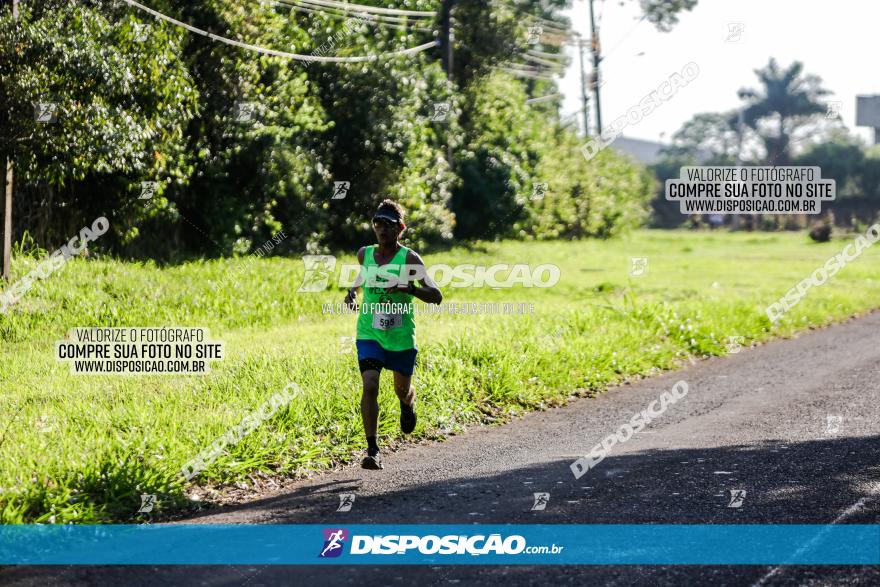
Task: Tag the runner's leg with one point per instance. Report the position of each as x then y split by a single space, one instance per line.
407 396
370 363
403 388
370 402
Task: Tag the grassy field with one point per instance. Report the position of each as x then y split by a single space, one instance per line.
83 448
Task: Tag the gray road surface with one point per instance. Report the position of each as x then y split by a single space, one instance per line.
757 421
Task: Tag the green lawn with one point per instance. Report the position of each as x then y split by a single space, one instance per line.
83 448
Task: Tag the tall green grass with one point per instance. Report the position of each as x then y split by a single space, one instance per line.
83 448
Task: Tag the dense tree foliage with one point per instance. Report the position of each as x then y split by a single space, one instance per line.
855 167
84 105
237 145
786 101
785 121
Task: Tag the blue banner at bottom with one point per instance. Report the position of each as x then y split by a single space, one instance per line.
524 544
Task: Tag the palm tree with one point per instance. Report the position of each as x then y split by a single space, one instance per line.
786 102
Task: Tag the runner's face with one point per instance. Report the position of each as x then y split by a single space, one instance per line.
386 231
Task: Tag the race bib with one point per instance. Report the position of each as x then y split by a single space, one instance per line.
387 321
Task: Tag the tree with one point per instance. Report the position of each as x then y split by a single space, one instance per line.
600 198
82 99
253 148
166 107
869 176
496 163
710 138
663 14
842 158
786 102
6 183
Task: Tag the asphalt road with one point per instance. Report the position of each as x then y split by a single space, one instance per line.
756 421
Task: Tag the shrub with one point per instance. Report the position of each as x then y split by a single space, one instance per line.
821 233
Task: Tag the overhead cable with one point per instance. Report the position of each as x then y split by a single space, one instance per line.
284 54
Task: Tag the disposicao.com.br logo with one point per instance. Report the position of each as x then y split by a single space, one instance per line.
453 544
334 540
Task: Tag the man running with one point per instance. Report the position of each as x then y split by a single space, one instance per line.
386 331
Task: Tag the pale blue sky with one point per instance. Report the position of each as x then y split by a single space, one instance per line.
838 41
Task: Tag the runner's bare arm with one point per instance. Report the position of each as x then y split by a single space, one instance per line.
428 290
351 296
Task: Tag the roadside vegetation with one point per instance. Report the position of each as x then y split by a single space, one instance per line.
81 449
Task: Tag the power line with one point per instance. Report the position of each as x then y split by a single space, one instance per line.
532 74
624 37
516 73
286 55
570 117
368 19
374 9
556 38
537 53
547 98
531 68
311 6
528 57
365 19
553 23
561 26
544 27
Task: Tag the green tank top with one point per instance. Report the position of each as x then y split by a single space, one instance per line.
392 326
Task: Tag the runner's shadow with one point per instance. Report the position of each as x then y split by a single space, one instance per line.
784 482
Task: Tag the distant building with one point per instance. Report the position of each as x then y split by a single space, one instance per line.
868 114
645 152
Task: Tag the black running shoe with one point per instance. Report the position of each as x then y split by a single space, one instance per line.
372 462
407 418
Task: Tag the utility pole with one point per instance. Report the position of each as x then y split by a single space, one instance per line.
584 100
594 37
7 208
447 36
